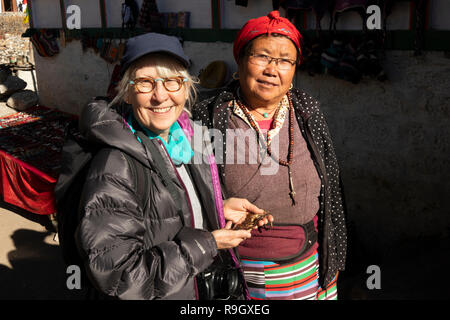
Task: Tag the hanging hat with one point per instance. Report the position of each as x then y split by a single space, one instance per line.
272 23
214 75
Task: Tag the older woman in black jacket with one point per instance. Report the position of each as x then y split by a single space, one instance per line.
151 244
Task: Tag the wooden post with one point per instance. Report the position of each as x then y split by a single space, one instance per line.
62 7
103 13
30 14
215 14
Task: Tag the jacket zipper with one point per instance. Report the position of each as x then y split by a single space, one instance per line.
189 202
181 182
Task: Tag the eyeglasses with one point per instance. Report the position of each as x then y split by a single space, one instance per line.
263 60
146 85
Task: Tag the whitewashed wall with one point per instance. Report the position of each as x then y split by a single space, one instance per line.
46 14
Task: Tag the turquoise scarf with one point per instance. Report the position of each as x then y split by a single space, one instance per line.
178 147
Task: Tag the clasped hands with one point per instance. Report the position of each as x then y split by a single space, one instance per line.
235 211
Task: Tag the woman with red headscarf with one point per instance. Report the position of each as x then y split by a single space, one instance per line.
277 152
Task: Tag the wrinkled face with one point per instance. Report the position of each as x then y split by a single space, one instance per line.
159 109
265 86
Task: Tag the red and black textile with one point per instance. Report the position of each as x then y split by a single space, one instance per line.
30 153
45 42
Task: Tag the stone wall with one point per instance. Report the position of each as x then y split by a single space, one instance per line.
18 87
13 48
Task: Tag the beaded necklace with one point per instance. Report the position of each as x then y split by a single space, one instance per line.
287 163
266 115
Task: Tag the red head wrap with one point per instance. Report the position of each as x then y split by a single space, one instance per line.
272 23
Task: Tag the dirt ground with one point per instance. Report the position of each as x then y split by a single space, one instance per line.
5 110
31 266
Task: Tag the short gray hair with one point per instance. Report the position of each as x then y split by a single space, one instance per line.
166 66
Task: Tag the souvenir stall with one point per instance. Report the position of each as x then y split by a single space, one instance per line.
30 153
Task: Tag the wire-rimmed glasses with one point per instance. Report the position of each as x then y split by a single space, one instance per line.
264 60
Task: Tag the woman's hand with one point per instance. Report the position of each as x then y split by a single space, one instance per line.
227 238
236 209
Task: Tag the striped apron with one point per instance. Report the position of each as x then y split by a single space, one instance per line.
267 280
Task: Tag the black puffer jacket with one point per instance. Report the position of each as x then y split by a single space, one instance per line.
214 113
133 252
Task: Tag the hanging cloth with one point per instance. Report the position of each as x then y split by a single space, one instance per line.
130 11
45 42
149 17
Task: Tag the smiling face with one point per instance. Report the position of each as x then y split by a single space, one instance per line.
266 86
159 109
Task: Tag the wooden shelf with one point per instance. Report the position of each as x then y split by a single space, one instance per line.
434 40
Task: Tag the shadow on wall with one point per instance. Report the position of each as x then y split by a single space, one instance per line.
392 142
38 271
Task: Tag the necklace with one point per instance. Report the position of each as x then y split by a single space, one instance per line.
267 114
288 162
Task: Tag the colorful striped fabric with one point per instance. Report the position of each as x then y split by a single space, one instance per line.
298 280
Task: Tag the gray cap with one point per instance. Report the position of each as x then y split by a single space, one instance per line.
141 45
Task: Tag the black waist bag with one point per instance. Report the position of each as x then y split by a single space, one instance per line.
258 249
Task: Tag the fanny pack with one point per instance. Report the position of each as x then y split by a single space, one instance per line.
282 243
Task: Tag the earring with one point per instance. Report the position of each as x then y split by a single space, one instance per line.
235 76
291 86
